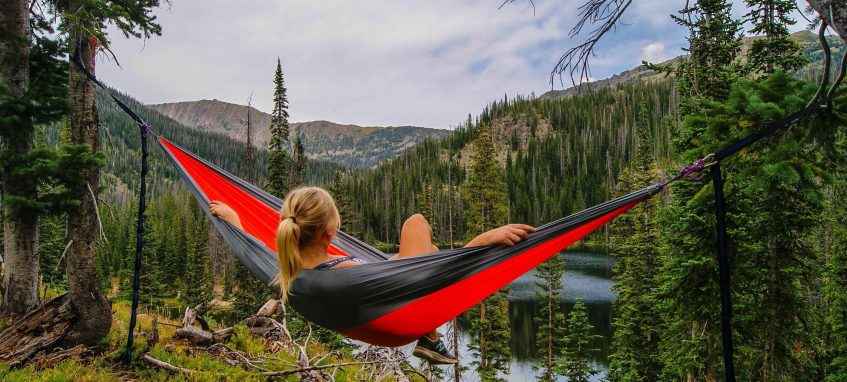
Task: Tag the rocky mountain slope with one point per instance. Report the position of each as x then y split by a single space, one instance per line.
352 145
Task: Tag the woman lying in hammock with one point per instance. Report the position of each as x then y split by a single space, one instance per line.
309 223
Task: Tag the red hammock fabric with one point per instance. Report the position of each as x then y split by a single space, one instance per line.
259 219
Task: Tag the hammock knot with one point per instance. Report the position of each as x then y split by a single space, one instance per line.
145 129
694 171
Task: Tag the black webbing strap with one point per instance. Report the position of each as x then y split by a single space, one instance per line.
764 132
723 265
142 205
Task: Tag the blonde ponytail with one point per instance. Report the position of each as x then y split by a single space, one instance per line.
306 213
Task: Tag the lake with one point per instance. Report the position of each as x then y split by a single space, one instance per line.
588 277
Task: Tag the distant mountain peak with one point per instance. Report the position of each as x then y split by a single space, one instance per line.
353 145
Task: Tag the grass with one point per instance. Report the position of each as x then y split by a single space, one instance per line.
108 365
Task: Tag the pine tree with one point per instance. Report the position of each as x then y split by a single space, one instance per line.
785 181
484 191
577 351
486 208
491 338
689 294
298 170
771 18
714 43
197 286
248 161
349 218
279 160
549 337
635 242
835 286
20 231
249 294
774 197
33 93
426 204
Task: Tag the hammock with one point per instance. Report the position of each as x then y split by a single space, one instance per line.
387 303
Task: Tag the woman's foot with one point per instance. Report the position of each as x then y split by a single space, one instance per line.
433 351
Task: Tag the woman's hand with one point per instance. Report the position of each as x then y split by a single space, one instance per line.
509 234
225 212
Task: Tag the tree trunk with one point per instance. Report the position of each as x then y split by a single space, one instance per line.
482 352
94 311
837 18
20 233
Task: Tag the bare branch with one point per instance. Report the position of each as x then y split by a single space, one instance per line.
313 368
65 252
512 1
97 213
575 61
826 63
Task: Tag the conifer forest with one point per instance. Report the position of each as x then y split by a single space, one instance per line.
734 270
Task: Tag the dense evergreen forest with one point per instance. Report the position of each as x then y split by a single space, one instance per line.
560 156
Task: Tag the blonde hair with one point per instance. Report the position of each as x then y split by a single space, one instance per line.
306 213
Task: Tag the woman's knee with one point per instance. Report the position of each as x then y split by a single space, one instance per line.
416 220
415 224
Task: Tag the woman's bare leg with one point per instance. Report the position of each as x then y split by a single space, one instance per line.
415 238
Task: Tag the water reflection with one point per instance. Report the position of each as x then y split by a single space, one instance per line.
588 277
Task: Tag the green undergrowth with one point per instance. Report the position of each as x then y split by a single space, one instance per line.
108 365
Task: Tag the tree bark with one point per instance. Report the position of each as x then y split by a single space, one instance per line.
835 14
94 311
20 233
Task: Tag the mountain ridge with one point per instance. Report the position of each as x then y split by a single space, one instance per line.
352 145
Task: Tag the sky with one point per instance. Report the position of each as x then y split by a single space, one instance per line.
374 63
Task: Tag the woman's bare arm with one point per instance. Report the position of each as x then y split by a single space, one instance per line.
225 212
508 234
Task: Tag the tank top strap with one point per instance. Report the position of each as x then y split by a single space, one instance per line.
334 262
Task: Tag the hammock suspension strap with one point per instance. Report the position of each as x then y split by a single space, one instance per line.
144 130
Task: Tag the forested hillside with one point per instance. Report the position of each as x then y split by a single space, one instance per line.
561 155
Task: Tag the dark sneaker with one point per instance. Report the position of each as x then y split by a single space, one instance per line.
433 351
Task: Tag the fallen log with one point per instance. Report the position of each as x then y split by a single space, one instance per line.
41 330
270 309
195 335
164 365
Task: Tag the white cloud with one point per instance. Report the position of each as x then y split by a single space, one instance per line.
427 63
654 52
